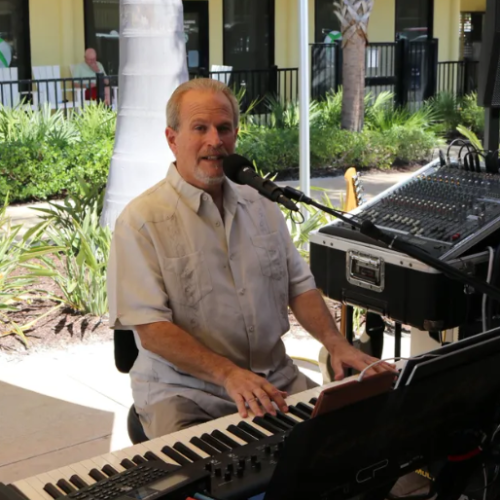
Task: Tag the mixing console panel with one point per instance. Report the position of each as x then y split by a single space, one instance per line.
445 208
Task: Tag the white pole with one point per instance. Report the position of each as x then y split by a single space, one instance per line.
304 96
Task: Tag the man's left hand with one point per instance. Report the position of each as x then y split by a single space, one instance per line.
344 355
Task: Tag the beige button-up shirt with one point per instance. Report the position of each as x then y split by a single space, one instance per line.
226 282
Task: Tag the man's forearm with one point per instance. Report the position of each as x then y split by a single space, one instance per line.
312 313
185 352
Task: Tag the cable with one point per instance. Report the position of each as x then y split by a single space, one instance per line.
488 280
362 374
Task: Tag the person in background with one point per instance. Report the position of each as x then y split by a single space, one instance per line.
89 69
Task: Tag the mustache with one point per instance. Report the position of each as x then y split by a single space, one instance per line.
215 152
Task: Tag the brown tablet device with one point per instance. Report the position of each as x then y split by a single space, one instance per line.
341 395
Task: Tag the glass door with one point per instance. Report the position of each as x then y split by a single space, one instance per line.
196 33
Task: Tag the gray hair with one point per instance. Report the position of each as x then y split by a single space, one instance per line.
209 84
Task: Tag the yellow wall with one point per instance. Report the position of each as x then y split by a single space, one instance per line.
473 5
446 28
57 33
383 21
215 30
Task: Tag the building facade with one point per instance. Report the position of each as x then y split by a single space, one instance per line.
244 34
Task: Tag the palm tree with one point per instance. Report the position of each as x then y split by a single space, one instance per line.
152 65
354 16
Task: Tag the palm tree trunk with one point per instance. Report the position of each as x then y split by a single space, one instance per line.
354 84
152 65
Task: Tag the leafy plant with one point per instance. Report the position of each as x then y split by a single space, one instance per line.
471 114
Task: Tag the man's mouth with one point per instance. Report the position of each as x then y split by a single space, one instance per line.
213 157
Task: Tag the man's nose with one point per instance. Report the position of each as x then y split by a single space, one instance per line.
214 137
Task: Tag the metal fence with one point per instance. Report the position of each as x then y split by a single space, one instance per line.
59 93
458 77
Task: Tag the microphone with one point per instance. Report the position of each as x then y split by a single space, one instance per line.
241 171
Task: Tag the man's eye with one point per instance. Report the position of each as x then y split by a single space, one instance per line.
200 127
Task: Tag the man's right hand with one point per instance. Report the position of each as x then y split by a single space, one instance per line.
247 388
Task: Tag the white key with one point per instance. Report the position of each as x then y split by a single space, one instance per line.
114 460
82 472
41 480
155 446
60 474
33 493
86 466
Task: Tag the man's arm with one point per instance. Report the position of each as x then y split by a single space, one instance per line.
312 313
185 352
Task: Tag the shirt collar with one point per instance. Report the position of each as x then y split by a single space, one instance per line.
192 195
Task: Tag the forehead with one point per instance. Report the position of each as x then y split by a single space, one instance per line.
205 105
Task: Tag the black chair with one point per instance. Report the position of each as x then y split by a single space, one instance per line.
125 355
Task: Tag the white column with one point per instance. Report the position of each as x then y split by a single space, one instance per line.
304 96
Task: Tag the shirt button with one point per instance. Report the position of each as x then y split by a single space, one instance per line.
217 223
205 197
251 328
242 291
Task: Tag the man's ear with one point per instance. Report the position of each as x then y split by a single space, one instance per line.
171 136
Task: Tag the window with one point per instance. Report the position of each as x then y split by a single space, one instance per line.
414 19
15 36
249 34
325 21
102 25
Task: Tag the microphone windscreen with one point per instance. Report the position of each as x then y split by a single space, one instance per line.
232 166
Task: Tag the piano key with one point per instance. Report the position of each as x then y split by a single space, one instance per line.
305 408
138 460
215 443
187 452
313 401
223 438
39 482
299 413
66 486
83 469
32 493
53 491
126 463
175 455
210 450
241 434
152 457
109 470
155 446
252 430
280 424
97 475
286 418
267 425
77 481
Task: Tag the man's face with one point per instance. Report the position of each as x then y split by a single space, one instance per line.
90 57
205 136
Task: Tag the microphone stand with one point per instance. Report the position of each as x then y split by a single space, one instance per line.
369 229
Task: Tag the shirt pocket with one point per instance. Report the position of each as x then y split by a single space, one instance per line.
270 257
187 278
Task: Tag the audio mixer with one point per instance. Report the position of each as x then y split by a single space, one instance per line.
451 213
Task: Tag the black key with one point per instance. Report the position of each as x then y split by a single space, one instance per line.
182 448
251 430
152 457
286 418
215 442
127 464
225 439
204 446
305 408
277 422
53 491
267 425
137 459
298 413
97 475
65 486
175 456
109 470
313 401
241 434
78 482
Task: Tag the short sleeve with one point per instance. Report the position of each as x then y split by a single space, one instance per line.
301 279
101 67
136 290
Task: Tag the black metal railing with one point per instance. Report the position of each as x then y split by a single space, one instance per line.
458 77
59 93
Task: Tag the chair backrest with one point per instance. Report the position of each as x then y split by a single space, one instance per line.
225 73
126 350
9 93
49 91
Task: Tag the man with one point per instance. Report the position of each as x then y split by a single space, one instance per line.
88 70
204 270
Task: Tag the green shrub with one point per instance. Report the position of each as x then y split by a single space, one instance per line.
472 115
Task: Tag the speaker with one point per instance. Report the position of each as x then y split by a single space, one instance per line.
488 94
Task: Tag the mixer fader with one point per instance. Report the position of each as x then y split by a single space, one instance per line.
445 205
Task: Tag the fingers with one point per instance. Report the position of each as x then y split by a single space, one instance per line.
253 403
277 396
338 369
240 404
